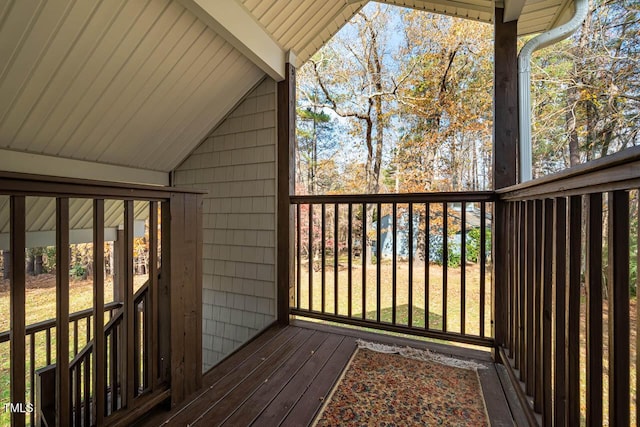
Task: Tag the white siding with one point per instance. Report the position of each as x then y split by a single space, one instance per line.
237 165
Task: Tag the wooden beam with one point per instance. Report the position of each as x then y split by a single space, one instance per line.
16 161
17 307
512 10
285 188
236 25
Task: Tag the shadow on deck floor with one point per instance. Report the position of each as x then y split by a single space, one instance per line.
282 377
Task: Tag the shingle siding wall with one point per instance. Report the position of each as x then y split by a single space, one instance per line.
237 165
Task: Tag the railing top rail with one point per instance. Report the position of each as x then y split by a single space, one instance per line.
42 185
448 197
51 323
618 171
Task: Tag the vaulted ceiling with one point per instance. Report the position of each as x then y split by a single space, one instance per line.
131 87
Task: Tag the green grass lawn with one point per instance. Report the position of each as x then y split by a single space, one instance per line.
418 309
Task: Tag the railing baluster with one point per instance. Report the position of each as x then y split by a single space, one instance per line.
526 374
114 369
62 312
87 329
547 307
310 295
410 267
483 264
129 309
513 277
378 260
48 345
323 255
637 306
463 267
394 267
152 314
537 311
560 284
336 254
77 393
515 266
427 238
363 257
445 263
17 305
87 390
298 256
522 284
593 287
32 368
75 337
350 260
618 308
572 334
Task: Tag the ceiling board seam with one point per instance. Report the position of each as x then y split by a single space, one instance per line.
113 78
23 39
151 92
135 74
54 74
167 138
39 59
74 78
95 78
177 107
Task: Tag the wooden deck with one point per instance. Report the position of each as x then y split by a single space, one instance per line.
283 376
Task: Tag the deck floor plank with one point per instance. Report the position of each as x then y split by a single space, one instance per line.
285 375
260 397
243 369
234 395
280 406
313 397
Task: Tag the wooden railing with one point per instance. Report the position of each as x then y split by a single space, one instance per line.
392 262
142 358
39 334
561 281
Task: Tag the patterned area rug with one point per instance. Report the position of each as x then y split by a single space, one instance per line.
413 388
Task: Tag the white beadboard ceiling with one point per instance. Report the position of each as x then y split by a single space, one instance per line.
139 83
135 83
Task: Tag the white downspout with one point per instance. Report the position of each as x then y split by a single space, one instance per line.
524 80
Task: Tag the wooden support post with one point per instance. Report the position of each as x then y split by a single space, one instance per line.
504 154
286 187
63 407
164 296
99 360
181 267
17 307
